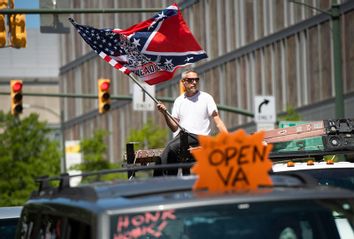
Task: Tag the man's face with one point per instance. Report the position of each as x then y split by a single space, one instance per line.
191 83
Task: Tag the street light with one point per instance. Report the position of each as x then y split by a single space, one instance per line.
334 13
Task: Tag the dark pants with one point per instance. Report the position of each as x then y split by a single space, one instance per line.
174 153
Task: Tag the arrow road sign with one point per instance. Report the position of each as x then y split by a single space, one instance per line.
265 101
264 109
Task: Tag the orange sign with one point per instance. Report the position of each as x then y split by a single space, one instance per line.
234 161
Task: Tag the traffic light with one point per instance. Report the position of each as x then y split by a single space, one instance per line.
3 4
104 95
18 30
16 97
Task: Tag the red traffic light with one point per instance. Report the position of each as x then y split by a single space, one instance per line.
105 86
17 86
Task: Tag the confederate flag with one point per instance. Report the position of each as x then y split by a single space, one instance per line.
152 49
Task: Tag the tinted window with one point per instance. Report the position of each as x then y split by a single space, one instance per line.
8 228
340 177
34 225
295 219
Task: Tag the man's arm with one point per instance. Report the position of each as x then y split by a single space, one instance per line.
170 123
219 123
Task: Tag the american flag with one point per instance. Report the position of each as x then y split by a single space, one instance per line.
153 49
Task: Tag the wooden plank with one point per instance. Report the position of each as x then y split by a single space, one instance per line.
312 129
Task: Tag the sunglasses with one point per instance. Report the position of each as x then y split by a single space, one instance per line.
191 80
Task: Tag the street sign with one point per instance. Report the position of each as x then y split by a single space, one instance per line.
141 100
265 126
73 157
264 109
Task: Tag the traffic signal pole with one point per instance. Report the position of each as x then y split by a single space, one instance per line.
129 98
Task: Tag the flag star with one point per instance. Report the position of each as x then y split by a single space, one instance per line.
136 42
168 62
188 59
160 16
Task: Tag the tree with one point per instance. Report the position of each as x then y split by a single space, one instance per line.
291 115
26 152
150 136
93 152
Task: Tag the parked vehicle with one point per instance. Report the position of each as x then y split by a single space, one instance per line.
9 217
167 207
339 174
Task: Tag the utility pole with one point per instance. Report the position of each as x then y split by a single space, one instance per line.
337 59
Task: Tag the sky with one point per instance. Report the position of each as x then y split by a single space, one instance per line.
32 21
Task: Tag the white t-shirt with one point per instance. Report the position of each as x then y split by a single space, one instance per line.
194 113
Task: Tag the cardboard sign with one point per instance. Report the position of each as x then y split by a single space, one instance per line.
234 161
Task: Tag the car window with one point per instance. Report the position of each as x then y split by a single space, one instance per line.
288 219
37 226
8 228
341 177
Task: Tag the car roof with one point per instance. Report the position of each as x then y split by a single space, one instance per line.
10 212
311 165
111 197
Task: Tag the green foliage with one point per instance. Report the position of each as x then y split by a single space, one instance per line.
150 136
93 152
26 153
291 115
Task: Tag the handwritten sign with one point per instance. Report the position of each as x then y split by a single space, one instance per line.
234 161
148 223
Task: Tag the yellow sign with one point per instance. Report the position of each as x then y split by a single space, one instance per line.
234 161
72 149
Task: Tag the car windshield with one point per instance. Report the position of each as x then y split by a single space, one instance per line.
308 219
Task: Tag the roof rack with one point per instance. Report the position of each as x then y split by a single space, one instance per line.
312 139
307 140
45 187
88 192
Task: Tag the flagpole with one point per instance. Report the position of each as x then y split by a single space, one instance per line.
155 100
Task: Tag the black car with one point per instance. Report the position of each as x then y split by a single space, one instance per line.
9 217
167 207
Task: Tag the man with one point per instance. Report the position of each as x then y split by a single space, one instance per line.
194 111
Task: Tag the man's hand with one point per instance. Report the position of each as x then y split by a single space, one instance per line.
161 107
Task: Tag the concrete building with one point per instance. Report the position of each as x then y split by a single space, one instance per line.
255 47
37 66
